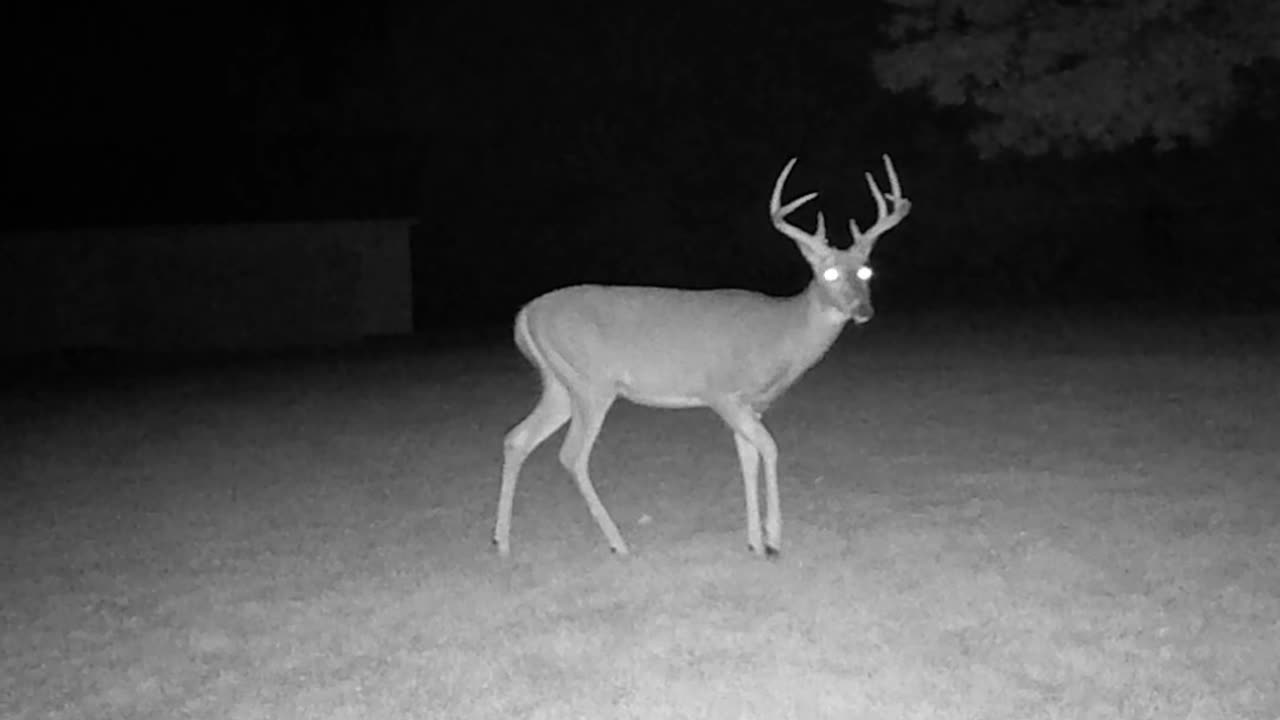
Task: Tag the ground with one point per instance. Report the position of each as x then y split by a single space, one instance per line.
1038 516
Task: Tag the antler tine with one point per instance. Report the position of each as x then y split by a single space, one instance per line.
776 208
885 219
881 208
778 212
791 206
895 190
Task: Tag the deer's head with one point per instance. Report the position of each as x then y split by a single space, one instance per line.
841 278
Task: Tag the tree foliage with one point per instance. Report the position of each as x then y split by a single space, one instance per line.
1072 74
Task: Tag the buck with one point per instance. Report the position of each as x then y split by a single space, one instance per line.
732 351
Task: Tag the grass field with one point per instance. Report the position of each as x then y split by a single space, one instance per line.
984 517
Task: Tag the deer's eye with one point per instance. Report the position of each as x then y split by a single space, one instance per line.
831 274
864 272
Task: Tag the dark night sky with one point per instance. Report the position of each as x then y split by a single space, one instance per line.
633 145
106 106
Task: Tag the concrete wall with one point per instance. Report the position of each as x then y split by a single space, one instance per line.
205 286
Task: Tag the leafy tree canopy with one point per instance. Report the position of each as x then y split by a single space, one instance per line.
1073 74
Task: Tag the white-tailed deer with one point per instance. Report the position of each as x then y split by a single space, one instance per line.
733 351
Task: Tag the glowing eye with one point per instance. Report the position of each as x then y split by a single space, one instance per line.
831 274
864 273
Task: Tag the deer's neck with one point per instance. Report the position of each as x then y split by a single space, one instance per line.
822 315
819 323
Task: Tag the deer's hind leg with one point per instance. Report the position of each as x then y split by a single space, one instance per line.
553 410
589 409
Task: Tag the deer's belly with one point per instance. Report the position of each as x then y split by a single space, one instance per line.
666 394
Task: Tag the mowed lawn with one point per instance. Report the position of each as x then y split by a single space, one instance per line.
1070 516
